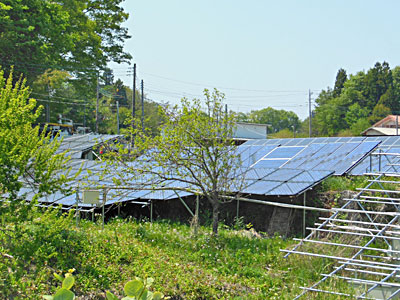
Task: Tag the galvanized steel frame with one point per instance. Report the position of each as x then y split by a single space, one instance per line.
360 262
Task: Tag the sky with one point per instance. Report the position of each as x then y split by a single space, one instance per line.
259 53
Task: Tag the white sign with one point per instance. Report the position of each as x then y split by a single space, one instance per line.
91 197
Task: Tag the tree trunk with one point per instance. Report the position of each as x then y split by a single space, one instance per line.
215 218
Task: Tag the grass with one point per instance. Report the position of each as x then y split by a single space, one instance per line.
233 265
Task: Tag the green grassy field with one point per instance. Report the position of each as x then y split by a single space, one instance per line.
234 265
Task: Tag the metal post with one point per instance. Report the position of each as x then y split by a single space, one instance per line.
77 208
142 86
237 209
397 125
370 162
379 168
117 117
97 104
197 206
102 209
304 215
196 225
309 113
84 114
151 211
133 103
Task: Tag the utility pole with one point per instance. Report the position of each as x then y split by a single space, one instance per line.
48 105
97 104
142 91
309 113
84 114
133 102
117 117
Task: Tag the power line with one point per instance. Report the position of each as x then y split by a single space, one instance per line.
221 87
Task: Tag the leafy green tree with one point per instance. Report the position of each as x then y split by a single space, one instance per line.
359 126
278 119
355 113
341 78
377 80
373 94
25 154
379 112
76 35
330 117
194 152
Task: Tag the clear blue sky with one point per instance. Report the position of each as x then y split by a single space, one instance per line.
260 53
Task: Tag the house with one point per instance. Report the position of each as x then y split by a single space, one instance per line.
387 126
248 131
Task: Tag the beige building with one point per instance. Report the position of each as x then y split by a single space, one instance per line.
386 126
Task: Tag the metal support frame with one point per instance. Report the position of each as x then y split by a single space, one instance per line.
304 214
184 204
151 211
373 214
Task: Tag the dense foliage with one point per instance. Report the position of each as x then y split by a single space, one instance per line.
277 119
351 106
195 152
25 154
76 35
357 101
235 265
61 47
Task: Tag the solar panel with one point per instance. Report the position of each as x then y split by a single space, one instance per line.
279 166
284 152
270 163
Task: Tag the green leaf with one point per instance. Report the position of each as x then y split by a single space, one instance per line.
157 296
64 294
129 298
147 295
68 282
133 288
58 276
111 296
149 282
47 297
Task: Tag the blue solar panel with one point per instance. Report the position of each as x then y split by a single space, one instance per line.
287 189
257 173
354 156
388 141
261 187
283 174
270 163
284 152
303 156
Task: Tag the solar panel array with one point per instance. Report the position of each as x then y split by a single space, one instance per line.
333 154
256 181
387 144
75 145
271 167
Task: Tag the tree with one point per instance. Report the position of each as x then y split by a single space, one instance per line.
360 126
355 113
194 153
77 35
341 78
278 119
25 154
379 112
377 80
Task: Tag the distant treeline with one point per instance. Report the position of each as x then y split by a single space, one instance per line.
353 104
